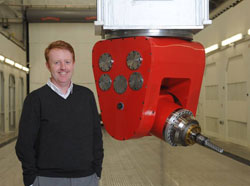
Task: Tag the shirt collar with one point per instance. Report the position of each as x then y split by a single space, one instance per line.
58 91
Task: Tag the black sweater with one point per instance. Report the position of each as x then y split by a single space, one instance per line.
59 137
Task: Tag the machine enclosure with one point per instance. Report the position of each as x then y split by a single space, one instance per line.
152 14
172 71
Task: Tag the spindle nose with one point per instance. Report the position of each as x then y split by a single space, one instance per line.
182 129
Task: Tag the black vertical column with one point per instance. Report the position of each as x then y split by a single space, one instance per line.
27 52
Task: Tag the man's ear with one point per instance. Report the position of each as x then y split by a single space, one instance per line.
47 65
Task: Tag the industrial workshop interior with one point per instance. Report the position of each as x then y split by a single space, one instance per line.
171 80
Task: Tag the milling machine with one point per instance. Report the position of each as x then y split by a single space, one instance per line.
148 71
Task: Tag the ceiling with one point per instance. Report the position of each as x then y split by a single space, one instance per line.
14 9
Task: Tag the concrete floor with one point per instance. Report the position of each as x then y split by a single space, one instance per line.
149 162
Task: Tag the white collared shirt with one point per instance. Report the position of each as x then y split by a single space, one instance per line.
58 91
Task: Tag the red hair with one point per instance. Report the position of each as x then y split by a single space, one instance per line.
60 45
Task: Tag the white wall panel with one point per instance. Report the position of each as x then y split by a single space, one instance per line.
212 126
212 109
83 51
236 70
12 51
212 92
38 72
237 91
237 111
83 73
236 77
237 131
211 75
231 74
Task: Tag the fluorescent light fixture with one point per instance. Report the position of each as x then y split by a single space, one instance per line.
10 62
211 48
249 32
18 66
26 69
2 58
232 39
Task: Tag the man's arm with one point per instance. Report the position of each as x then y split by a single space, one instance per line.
28 132
98 143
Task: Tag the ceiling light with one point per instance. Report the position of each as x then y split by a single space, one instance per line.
10 62
211 48
18 66
249 32
26 69
232 39
2 58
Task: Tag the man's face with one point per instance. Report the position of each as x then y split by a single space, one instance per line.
61 66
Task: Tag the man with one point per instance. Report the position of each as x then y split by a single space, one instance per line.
60 139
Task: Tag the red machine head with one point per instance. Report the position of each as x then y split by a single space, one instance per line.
150 85
139 78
